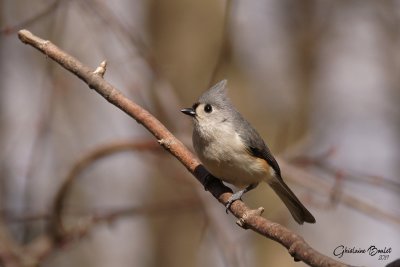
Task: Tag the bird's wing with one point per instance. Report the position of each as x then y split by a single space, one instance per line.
265 154
257 147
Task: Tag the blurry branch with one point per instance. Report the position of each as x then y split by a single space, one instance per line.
82 227
56 224
102 11
336 192
248 218
224 49
11 217
315 184
109 215
321 163
8 247
50 8
13 254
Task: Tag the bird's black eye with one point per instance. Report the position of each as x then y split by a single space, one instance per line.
207 108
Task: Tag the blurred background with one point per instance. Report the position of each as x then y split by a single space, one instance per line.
320 80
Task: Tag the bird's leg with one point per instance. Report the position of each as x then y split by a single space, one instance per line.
238 195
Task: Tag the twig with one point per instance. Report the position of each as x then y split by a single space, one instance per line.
80 230
321 162
56 224
295 244
8 248
299 176
50 8
86 224
318 185
224 48
31 255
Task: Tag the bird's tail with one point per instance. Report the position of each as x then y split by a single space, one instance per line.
296 208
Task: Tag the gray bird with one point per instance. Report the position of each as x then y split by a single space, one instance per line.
232 150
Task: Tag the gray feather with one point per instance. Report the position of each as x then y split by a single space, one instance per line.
259 149
256 145
217 96
296 208
228 115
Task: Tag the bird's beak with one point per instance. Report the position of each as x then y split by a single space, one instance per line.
189 111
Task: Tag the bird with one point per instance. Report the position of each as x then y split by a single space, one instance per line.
234 152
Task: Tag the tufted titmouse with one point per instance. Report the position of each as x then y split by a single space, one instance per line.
232 150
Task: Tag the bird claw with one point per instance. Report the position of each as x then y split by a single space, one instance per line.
236 196
228 205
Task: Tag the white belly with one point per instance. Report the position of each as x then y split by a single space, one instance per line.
226 157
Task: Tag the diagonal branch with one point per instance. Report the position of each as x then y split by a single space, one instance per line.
31 20
56 225
295 244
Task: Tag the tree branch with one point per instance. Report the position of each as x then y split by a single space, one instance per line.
295 244
29 21
56 225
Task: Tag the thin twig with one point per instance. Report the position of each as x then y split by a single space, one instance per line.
348 175
224 48
48 10
44 245
313 183
295 244
56 224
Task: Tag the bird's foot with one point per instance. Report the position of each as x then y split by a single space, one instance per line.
236 196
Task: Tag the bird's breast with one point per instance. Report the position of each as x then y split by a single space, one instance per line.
225 155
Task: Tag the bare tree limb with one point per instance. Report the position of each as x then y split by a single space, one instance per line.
82 226
32 254
321 162
224 49
311 182
27 22
295 244
56 225
8 247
